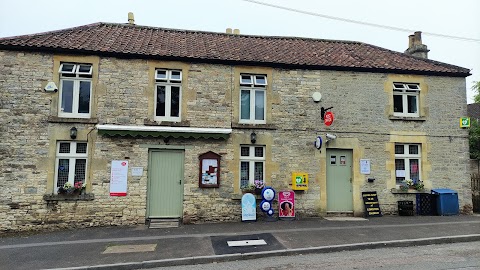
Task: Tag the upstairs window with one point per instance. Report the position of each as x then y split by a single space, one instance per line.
405 99
168 95
252 164
407 162
75 90
253 98
71 163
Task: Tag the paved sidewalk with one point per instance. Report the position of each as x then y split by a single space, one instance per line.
139 247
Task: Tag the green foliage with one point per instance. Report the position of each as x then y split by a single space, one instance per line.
476 89
474 140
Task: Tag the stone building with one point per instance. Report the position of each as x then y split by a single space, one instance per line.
163 123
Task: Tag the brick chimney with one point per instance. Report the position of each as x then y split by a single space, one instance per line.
415 46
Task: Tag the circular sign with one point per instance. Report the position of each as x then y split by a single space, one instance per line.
328 118
268 193
270 212
265 206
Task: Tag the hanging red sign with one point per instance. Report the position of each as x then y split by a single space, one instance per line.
328 118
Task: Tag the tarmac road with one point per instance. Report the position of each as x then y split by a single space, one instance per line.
138 247
432 257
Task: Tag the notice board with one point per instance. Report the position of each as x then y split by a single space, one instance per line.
372 206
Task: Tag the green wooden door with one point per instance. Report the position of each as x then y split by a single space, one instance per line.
339 180
165 184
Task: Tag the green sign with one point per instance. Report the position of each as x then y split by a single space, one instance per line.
465 122
298 179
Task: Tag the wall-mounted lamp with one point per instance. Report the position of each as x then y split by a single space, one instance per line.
73 133
253 137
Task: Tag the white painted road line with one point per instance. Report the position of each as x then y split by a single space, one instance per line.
244 243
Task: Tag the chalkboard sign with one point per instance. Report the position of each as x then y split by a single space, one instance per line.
372 206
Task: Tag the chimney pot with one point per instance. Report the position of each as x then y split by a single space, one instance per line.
229 31
131 19
418 38
416 47
236 31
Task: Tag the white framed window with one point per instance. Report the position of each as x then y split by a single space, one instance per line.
75 90
253 98
70 163
252 164
168 95
407 162
406 99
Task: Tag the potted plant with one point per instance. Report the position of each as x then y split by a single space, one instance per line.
259 185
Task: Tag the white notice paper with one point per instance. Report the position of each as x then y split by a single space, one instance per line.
365 166
400 173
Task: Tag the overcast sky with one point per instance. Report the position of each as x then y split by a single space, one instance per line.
446 17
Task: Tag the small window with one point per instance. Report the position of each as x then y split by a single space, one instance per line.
84 69
175 75
161 74
259 151
245 151
260 80
67 68
246 79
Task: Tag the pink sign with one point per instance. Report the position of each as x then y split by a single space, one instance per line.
286 204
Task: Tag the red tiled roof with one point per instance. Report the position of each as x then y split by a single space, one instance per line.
125 40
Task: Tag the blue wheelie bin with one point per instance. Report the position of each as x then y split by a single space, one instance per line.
447 201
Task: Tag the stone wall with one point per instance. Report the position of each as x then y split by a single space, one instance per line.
362 123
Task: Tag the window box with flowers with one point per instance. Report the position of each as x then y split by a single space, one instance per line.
69 192
410 186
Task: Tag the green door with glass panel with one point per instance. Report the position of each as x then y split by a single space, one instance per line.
165 184
339 180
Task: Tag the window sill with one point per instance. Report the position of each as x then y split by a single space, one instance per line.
239 196
404 118
149 122
409 191
65 197
253 126
56 119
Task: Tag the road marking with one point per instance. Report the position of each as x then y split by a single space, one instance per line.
243 243
129 248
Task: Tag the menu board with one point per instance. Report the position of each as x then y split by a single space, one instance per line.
372 206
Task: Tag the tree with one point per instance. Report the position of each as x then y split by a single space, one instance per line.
474 139
474 132
476 89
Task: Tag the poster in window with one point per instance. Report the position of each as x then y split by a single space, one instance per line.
209 175
343 160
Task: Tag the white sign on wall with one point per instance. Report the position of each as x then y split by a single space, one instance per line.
365 166
137 171
118 178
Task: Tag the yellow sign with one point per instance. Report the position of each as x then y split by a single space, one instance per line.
299 181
